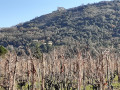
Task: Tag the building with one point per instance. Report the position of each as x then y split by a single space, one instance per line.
61 9
50 42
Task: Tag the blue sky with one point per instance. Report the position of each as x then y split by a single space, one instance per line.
13 12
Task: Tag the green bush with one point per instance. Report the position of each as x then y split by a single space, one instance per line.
3 50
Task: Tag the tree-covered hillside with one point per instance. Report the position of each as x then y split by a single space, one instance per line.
95 25
70 49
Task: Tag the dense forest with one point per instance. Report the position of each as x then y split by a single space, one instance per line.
96 25
68 49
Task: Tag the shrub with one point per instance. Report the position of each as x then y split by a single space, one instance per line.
3 50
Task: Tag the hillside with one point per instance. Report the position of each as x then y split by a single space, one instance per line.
68 49
95 25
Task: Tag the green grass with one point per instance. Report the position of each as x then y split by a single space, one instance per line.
116 85
2 88
88 87
116 78
23 87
